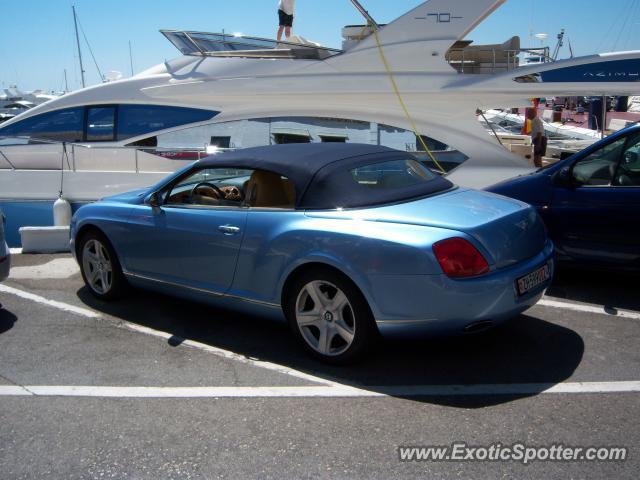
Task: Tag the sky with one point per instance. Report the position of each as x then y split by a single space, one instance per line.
37 39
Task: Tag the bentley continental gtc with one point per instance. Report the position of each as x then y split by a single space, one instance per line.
344 241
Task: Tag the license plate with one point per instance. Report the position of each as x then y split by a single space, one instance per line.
532 280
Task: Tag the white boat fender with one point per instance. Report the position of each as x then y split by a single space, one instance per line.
61 213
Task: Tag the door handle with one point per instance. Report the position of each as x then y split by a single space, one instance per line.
229 229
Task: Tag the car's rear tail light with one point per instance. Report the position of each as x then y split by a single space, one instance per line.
458 258
2 259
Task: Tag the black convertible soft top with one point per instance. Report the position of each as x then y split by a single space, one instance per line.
321 174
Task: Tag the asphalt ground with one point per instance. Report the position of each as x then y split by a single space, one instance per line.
156 387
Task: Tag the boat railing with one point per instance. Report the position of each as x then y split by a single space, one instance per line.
491 60
72 156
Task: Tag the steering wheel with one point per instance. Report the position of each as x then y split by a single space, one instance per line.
630 157
215 188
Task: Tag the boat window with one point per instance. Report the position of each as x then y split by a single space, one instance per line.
232 187
145 142
101 124
220 141
61 125
431 143
283 138
332 139
135 120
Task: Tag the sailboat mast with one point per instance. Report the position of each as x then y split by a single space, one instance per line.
130 58
75 22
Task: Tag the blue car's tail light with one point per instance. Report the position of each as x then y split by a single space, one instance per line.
459 259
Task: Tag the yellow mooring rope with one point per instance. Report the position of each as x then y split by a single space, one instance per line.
401 100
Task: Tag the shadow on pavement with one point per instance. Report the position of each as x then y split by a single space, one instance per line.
7 320
610 289
525 350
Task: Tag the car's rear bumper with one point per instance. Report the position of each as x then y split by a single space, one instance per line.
435 304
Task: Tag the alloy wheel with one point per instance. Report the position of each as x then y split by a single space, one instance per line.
97 266
325 318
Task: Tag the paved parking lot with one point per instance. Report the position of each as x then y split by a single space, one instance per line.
154 387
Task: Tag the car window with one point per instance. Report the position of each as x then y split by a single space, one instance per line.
210 187
628 173
392 174
233 187
598 168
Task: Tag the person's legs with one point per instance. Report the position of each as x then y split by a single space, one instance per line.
287 32
282 21
537 161
539 151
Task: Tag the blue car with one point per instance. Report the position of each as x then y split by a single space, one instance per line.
590 202
344 241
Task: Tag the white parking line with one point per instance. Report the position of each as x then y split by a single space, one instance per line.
578 307
52 303
335 391
227 354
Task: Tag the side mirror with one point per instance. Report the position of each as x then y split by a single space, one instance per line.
563 178
153 200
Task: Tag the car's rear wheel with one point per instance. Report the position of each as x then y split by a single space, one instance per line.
100 267
330 316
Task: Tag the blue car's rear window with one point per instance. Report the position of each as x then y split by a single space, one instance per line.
392 174
372 181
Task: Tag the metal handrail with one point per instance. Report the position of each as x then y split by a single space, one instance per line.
92 146
511 56
201 152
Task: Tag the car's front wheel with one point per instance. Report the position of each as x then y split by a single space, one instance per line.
100 267
330 316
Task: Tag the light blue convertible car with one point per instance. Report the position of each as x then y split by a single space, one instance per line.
347 241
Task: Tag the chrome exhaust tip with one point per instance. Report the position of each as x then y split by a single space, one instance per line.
480 326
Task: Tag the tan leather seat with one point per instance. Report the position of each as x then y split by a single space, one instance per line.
268 189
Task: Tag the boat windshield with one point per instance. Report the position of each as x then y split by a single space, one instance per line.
225 45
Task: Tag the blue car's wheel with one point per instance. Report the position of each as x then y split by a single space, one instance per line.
100 267
329 316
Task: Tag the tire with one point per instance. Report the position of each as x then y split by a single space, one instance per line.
329 316
100 267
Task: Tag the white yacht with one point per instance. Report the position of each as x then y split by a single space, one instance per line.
417 73
13 101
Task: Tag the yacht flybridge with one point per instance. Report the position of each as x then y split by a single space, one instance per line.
226 91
